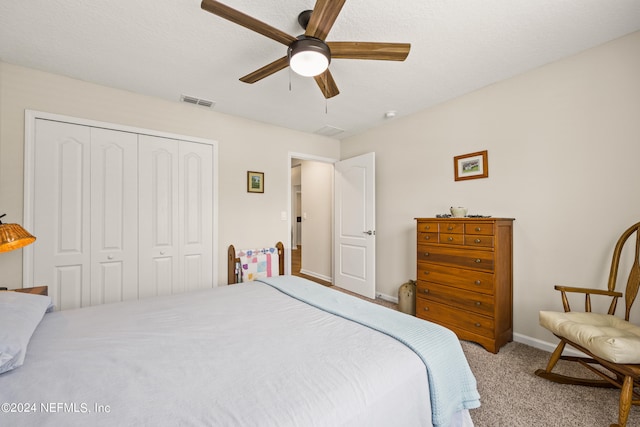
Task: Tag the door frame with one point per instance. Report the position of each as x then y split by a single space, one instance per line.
30 117
313 158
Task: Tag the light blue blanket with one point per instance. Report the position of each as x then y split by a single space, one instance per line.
451 382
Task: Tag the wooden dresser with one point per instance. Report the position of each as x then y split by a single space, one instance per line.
464 277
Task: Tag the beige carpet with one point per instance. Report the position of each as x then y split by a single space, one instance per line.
511 395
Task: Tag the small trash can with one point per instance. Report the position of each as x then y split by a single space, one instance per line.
407 298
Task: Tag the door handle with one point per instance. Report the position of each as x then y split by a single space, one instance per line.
369 232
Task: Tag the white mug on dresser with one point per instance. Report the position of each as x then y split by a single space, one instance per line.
458 212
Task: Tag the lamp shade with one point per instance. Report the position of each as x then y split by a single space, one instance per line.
13 236
309 56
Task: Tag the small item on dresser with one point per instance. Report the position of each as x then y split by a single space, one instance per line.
443 215
458 212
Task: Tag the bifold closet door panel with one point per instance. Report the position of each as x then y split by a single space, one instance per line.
61 213
158 248
114 216
196 216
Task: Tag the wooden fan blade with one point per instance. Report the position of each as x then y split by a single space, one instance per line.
323 16
326 84
368 50
267 70
247 21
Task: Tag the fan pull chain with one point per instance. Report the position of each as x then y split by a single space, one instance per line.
290 71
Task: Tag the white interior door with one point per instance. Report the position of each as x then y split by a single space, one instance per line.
355 233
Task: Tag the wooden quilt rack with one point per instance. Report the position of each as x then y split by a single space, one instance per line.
232 260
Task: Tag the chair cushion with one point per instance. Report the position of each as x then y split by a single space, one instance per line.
606 336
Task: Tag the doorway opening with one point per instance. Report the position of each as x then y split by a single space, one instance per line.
311 218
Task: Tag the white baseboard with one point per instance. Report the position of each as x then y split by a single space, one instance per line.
387 298
545 346
317 276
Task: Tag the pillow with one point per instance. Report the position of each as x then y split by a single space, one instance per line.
20 314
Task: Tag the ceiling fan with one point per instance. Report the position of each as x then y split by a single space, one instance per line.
309 54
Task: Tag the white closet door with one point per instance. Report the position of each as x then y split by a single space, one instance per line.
114 216
62 212
176 216
158 160
196 216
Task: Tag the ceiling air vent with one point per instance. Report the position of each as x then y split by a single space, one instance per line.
197 101
329 131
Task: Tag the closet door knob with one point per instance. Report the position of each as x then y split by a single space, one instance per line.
110 257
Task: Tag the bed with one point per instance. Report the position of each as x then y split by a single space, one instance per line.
279 351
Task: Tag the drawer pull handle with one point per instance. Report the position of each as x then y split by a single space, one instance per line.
478 260
477 240
478 303
477 325
426 272
450 239
450 228
427 227
426 291
426 309
427 237
478 228
426 254
477 282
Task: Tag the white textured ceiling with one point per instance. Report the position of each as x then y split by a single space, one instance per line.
166 48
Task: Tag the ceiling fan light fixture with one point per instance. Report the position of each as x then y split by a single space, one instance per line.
309 56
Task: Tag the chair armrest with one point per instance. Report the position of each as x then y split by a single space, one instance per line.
588 292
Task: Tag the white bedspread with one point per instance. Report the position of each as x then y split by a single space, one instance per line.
242 355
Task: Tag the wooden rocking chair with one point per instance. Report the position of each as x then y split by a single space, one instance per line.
610 342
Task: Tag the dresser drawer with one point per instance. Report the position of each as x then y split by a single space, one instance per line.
452 227
430 227
478 241
471 280
466 300
455 318
465 258
426 237
485 229
452 239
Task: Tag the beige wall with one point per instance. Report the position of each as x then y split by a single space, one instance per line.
244 219
564 150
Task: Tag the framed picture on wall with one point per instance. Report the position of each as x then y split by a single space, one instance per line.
471 166
255 182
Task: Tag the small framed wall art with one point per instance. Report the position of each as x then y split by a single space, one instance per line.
471 166
255 182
